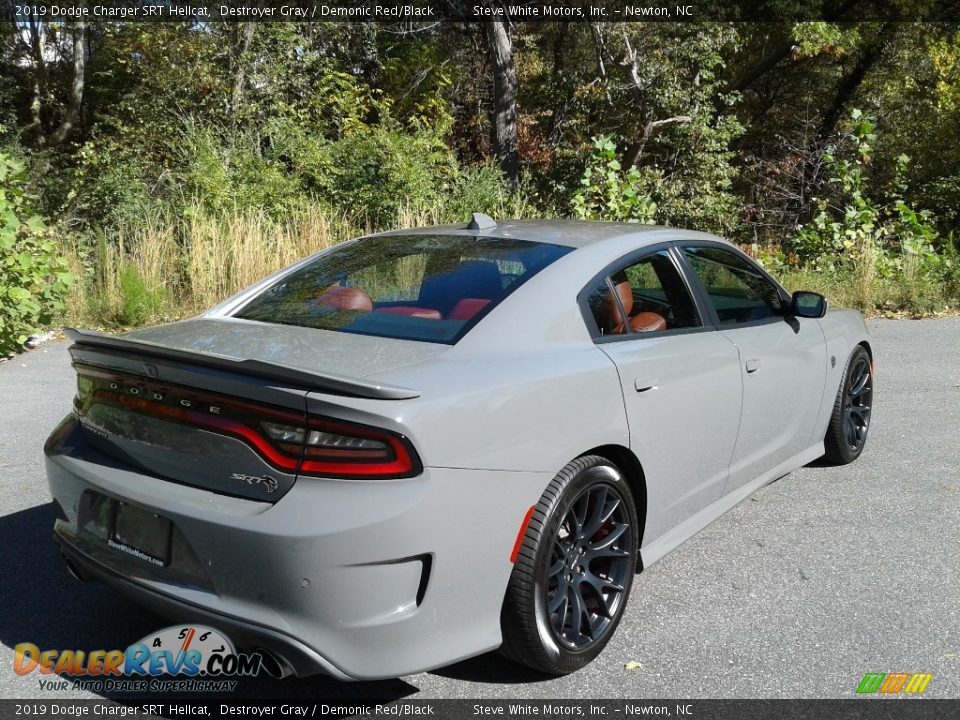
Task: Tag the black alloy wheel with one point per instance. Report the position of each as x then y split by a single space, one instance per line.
850 421
574 571
590 567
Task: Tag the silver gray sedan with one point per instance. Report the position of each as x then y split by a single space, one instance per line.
423 445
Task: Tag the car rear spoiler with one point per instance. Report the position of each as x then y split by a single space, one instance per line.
316 382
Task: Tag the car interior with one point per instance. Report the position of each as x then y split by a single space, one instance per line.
648 296
459 293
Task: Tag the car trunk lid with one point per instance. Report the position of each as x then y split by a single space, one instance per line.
233 425
313 350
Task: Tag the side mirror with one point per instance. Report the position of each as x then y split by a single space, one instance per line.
808 304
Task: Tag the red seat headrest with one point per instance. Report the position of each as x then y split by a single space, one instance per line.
467 308
345 298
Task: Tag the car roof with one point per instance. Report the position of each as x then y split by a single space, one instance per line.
570 233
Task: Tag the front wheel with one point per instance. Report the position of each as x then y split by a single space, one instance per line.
850 421
574 569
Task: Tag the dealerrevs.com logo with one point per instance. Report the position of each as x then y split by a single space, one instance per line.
201 658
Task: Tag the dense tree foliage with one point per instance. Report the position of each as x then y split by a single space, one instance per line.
756 131
33 278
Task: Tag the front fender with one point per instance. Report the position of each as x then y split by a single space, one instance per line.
843 330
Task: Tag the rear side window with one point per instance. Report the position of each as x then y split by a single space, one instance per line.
414 287
739 292
643 297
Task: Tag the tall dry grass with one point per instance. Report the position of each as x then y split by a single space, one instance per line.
225 254
165 268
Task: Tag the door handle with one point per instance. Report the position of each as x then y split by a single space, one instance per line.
645 384
753 364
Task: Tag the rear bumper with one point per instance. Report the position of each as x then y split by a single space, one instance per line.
355 579
303 660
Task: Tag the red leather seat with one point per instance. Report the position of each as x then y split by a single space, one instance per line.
467 308
410 311
345 298
625 293
641 322
647 322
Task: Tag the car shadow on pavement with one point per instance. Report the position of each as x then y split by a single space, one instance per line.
492 668
821 462
42 604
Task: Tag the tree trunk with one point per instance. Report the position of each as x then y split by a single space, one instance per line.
504 98
563 89
772 60
240 49
76 88
38 86
849 85
845 91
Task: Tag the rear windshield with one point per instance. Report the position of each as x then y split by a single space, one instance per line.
415 287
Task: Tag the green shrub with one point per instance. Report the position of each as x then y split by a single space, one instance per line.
951 268
686 189
483 188
886 248
376 172
138 303
33 278
237 175
109 183
853 227
608 192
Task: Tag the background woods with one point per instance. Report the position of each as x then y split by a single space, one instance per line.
148 170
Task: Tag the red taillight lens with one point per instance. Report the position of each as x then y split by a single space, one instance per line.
345 449
341 449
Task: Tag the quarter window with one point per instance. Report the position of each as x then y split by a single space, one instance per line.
643 297
738 291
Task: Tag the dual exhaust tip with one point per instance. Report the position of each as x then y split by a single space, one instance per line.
276 666
75 572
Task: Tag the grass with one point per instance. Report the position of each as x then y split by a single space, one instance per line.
907 293
167 268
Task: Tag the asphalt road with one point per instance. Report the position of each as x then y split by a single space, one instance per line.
822 576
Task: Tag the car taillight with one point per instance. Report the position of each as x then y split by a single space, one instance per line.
287 437
337 448
291 441
343 449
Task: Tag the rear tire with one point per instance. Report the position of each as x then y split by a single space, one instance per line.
850 421
574 570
